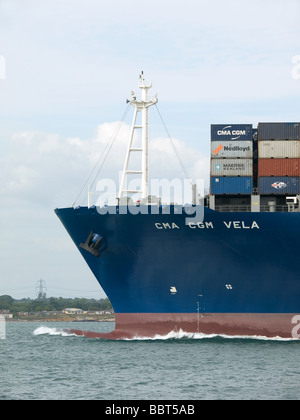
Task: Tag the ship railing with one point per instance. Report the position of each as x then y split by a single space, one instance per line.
278 209
247 208
237 209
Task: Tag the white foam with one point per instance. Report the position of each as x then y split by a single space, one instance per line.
200 336
52 331
172 335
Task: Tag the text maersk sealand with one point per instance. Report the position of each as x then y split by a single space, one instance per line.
235 271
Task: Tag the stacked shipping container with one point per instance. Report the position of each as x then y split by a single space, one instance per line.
279 158
231 159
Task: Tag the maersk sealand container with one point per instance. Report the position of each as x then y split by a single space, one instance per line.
231 132
231 167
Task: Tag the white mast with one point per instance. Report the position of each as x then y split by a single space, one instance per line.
140 106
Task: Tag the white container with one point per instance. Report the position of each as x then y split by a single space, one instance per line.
232 149
279 149
231 167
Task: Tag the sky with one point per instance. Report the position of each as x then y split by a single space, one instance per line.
66 70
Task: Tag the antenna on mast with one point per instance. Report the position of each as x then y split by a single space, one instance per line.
142 107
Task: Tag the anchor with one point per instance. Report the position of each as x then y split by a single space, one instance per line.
92 244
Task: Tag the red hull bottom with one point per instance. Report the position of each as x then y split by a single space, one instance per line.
130 326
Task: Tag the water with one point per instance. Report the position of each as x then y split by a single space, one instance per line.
40 361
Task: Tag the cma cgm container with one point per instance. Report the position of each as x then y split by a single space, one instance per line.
231 132
279 131
279 167
279 185
231 185
232 149
231 167
278 149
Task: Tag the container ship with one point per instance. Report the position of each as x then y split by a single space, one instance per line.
233 270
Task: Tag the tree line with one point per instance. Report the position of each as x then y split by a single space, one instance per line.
52 304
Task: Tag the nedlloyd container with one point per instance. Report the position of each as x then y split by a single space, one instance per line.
231 185
280 185
232 149
279 131
279 167
231 167
278 149
231 132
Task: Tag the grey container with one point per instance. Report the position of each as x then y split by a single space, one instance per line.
279 131
231 167
232 149
279 149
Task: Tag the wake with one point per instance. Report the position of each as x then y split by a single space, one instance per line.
178 335
173 335
53 331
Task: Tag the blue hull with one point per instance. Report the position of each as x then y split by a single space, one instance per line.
230 263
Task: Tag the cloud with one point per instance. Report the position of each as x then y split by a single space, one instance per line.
50 169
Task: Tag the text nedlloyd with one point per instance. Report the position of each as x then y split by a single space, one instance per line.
231 149
236 148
